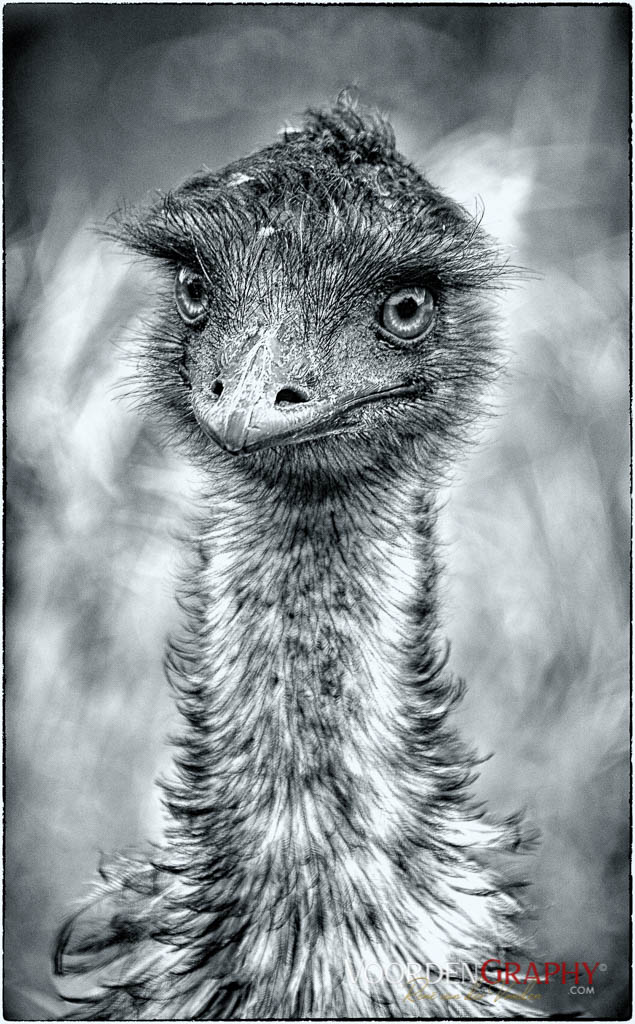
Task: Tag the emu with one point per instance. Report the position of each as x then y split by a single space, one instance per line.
323 340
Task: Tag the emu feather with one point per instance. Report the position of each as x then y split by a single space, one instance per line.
319 816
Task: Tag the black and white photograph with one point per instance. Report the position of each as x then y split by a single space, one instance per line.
317 699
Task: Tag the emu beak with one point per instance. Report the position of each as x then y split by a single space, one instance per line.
255 401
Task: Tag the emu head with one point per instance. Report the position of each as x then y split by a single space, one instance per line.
318 291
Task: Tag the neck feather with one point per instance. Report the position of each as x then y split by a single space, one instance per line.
318 698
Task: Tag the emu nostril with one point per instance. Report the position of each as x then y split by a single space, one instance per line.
217 388
288 396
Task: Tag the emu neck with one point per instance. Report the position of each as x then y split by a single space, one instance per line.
318 782
309 623
316 625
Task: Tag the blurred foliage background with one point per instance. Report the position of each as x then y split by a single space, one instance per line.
521 111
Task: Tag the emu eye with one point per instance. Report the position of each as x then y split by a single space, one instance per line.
408 313
190 295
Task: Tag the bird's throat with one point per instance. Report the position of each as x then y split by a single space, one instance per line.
310 605
319 812
296 789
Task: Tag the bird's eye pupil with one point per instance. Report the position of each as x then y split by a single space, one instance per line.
195 289
407 315
407 308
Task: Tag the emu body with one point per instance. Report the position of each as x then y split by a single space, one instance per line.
318 816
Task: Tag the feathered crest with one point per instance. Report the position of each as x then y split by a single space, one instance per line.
349 134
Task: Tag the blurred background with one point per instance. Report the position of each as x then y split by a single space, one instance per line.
520 111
